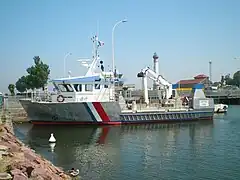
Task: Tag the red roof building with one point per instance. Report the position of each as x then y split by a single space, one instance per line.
199 79
201 76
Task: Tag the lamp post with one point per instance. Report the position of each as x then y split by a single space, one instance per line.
64 62
113 29
113 60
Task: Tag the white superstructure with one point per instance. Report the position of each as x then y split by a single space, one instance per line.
95 86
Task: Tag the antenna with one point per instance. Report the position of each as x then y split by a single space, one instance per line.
91 35
94 58
97 27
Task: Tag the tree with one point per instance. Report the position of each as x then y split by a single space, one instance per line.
37 74
236 78
11 88
222 80
229 80
21 85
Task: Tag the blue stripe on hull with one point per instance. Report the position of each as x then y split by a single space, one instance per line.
89 111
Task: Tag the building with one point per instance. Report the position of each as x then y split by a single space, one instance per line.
184 87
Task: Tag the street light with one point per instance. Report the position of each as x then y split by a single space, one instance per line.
113 29
64 62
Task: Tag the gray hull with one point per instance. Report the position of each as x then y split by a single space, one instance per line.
84 112
103 113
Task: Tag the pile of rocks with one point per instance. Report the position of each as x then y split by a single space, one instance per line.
23 163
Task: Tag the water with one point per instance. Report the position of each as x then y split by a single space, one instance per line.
209 150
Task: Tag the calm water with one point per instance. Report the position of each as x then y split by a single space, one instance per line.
190 151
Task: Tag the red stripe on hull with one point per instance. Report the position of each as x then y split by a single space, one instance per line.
101 111
118 122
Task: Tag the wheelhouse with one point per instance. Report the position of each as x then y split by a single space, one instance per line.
83 88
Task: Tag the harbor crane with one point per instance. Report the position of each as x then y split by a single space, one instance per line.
157 79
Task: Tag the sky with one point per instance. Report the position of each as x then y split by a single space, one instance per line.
185 34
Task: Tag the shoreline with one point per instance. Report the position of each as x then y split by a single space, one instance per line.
19 161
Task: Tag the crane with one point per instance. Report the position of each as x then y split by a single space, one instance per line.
158 79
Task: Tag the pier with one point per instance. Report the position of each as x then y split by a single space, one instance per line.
14 110
224 96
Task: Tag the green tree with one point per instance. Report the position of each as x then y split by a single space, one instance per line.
21 85
236 78
11 88
229 80
222 80
37 74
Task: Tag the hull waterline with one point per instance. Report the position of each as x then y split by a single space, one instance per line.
120 122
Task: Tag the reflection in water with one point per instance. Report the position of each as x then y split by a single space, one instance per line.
119 152
52 146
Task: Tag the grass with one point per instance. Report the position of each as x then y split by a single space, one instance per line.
3 118
5 164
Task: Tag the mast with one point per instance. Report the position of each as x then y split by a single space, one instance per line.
95 57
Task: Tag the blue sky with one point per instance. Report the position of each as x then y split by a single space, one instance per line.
185 34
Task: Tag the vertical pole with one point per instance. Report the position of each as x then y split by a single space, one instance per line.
145 90
64 63
210 71
179 87
113 60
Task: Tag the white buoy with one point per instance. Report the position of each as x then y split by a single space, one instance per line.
52 139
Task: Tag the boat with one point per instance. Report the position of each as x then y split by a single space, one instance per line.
95 99
220 108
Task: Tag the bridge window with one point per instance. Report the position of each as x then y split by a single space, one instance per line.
173 93
88 87
65 88
97 86
78 87
55 87
128 94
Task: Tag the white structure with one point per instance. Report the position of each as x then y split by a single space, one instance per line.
52 139
155 69
210 70
158 80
